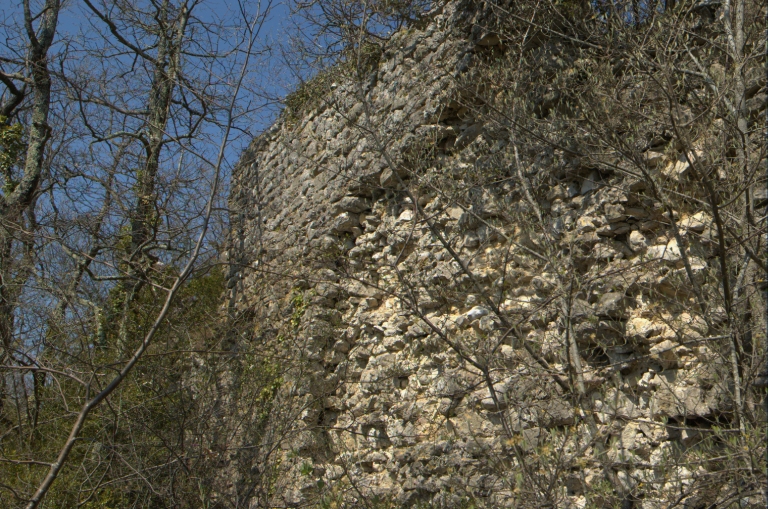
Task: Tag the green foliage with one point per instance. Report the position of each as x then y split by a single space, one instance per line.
201 296
262 378
146 446
306 469
300 305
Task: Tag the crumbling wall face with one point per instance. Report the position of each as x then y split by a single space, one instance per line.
428 341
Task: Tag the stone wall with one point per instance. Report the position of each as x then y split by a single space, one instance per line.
429 338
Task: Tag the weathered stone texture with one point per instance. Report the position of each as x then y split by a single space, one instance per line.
319 212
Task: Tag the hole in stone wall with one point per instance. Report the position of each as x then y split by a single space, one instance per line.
327 418
401 382
376 435
366 466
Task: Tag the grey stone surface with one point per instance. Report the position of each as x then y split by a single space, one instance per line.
319 212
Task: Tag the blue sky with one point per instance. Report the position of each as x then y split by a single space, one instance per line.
268 74
271 72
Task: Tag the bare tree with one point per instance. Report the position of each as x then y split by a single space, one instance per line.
21 186
114 160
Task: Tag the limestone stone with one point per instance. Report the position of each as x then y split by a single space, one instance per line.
637 241
477 312
682 166
385 361
696 223
668 252
591 183
351 204
611 304
653 159
665 353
